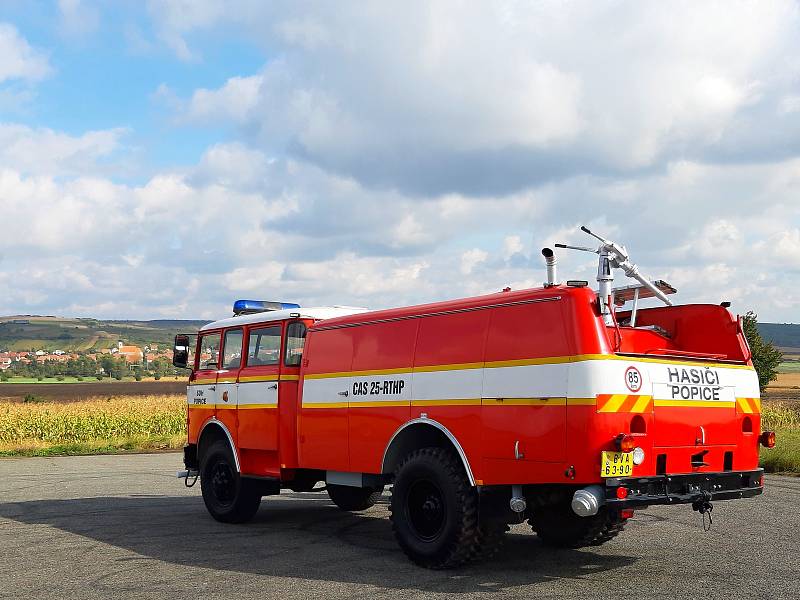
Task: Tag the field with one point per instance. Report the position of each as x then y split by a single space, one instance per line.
92 425
73 391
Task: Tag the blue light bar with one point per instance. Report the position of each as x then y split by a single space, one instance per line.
248 307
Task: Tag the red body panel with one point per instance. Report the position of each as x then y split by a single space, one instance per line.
527 383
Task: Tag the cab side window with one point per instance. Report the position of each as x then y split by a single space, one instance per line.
265 346
295 340
208 351
232 351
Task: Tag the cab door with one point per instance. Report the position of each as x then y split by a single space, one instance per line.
258 388
202 391
227 375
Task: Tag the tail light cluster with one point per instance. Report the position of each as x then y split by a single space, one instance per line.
627 443
624 442
767 439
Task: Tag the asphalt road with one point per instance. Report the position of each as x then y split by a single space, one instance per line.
123 527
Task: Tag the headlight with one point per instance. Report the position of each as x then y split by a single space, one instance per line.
638 456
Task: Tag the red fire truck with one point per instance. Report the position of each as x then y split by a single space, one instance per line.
551 404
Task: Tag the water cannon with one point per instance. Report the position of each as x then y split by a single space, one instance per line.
615 256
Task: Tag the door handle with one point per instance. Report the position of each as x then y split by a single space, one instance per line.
274 386
213 388
344 393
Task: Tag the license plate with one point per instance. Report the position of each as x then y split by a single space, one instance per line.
616 464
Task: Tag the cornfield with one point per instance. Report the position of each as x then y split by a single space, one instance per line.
120 417
780 415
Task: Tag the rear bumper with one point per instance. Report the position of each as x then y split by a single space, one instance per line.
684 489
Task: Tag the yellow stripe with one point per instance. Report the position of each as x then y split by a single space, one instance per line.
696 403
226 379
448 402
524 401
256 378
325 405
454 367
581 401
290 377
525 362
379 403
550 360
641 404
357 373
757 403
613 403
249 406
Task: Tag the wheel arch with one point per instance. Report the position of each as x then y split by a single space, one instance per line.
214 430
421 433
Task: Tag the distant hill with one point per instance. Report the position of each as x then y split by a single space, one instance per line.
24 332
783 335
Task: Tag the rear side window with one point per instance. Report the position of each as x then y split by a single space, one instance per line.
295 340
232 358
208 355
265 346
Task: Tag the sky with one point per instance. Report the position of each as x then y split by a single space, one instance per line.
160 159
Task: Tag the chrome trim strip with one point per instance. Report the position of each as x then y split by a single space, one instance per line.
434 314
227 433
443 429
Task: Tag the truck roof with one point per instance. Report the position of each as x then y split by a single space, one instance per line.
497 298
317 313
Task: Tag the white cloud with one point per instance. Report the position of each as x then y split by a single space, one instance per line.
18 60
506 95
77 17
471 258
43 150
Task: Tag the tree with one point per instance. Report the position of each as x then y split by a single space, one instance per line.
766 357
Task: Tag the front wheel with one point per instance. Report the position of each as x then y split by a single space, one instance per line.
559 526
228 497
434 510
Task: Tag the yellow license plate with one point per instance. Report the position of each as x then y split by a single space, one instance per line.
616 464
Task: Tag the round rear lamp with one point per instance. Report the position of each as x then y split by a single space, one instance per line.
638 456
622 493
767 439
625 443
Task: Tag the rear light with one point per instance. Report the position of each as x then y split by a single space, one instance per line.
626 513
625 443
767 439
638 456
622 493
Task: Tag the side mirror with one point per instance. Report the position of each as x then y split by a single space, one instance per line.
180 351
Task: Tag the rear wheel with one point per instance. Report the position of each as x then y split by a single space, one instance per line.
353 498
434 510
559 526
228 497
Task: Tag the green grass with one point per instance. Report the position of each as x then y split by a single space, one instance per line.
789 367
785 456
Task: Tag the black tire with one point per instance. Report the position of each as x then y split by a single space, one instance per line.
560 527
228 497
353 498
434 510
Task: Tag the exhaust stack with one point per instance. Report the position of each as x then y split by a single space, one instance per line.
550 262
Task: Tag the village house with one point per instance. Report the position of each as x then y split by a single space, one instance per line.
132 354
